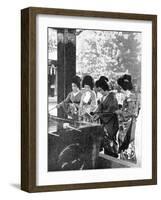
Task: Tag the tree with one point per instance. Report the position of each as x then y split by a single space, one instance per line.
108 52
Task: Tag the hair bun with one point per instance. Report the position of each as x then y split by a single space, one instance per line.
102 83
103 78
88 80
125 82
76 80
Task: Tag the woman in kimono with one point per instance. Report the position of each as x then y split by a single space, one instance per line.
106 112
127 119
71 104
88 101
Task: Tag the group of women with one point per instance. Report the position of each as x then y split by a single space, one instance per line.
93 102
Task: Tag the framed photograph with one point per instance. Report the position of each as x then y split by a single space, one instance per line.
88 99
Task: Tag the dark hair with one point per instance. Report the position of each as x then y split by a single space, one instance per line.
125 82
102 83
76 80
88 80
103 78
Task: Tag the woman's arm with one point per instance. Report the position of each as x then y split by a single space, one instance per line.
66 100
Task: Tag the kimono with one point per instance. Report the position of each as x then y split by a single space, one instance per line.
71 104
127 121
88 105
108 118
138 141
120 96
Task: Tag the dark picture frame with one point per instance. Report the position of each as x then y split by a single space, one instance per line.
28 98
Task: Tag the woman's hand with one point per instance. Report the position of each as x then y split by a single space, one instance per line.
118 112
57 106
95 117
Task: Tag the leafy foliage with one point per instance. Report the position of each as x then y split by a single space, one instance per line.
108 53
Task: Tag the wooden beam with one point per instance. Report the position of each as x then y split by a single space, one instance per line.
117 161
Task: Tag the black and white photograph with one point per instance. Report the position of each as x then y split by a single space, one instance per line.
94 99
89 99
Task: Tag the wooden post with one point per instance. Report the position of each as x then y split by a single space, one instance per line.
66 63
70 58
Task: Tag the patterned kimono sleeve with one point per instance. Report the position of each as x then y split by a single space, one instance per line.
81 100
93 104
81 110
78 100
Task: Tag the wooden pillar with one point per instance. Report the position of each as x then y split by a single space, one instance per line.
66 63
70 58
